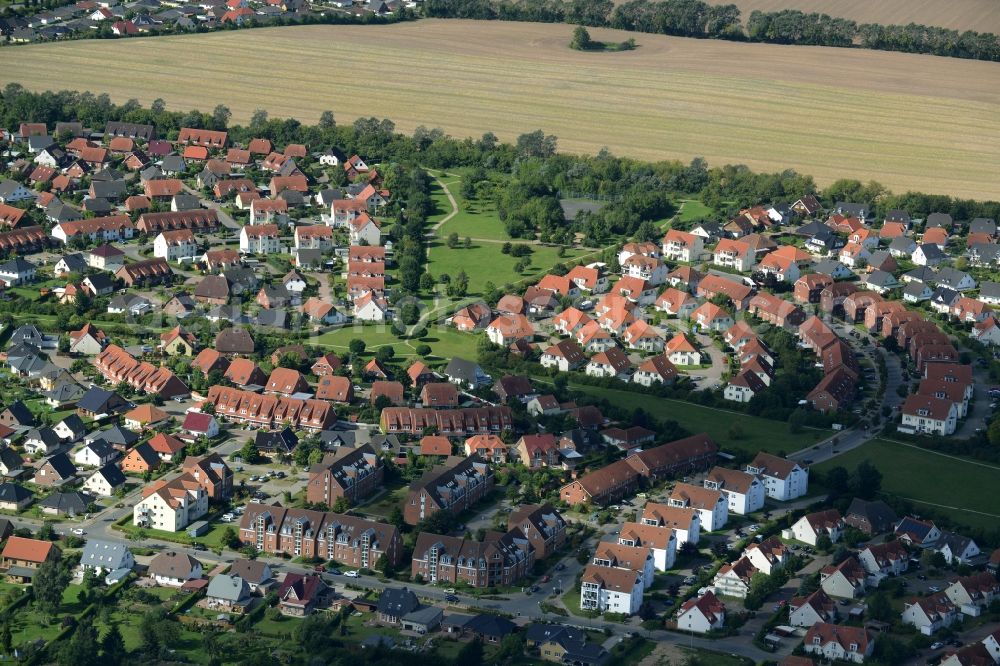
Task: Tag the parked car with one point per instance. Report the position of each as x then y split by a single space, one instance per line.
77 531
450 597
351 574
934 588
228 518
937 645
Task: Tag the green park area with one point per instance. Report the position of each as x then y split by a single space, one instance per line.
959 487
444 342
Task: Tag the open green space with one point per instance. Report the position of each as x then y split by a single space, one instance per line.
483 262
961 488
383 505
752 434
693 210
444 342
476 218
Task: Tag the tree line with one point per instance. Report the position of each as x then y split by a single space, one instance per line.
694 18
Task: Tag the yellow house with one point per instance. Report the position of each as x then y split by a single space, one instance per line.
178 342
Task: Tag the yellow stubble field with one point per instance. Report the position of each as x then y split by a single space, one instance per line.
908 121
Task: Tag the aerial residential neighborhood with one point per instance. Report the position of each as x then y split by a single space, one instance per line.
275 392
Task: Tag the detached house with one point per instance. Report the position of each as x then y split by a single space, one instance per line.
807 611
702 614
847 580
884 559
810 527
930 614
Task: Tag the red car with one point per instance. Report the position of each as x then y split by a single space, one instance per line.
546 578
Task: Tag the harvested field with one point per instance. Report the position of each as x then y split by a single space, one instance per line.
978 15
908 121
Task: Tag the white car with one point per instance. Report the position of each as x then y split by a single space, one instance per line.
934 588
351 574
78 531
228 518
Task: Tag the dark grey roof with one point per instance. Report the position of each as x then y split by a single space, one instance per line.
897 215
490 625
878 514
902 244
931 251
150 173
275 318
75 262
986 252
10 459
280 440
62 465
396 602
174 163
98 205
27 333
989 289
98 400
108 189
117 435
230 313
983 225
241 279
942 220
460 368
101 281
101 448
22 415
45 435
880 278
853 209
945 296
829 267
331 439
114 476
12 492
922 273
65 392
185 202
915 289
951 277
71 502
16 266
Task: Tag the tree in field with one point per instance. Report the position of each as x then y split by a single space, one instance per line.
356 346
326 120
453 240
581 39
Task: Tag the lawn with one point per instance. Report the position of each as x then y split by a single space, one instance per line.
483 262
383 506
686 97
444 342
476 219
693 210
963 489
758 434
